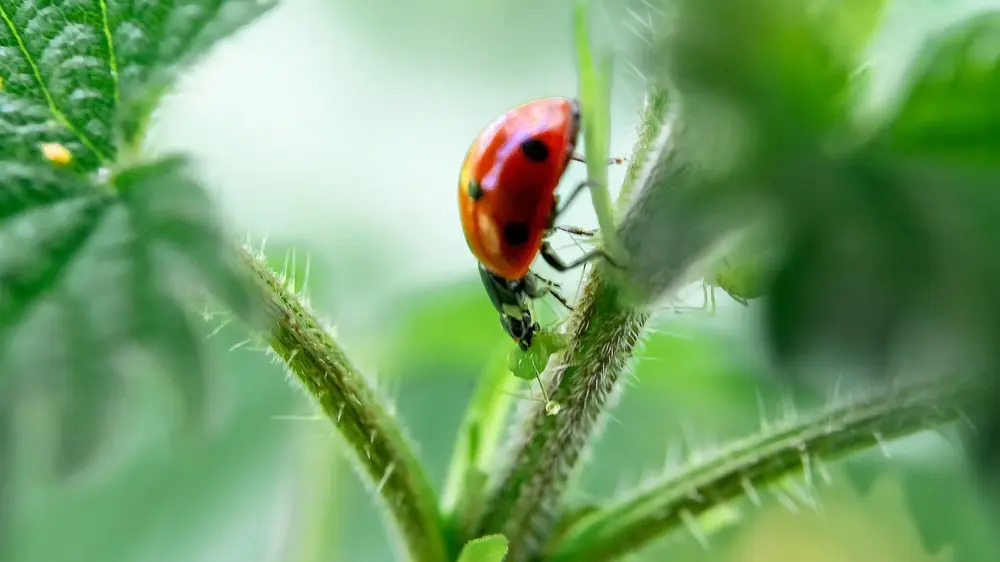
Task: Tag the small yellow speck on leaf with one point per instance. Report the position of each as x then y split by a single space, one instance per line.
57 153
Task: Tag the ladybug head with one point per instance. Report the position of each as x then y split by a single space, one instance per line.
522 330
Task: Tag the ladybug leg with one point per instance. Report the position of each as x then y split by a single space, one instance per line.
557 263
611 161
576 230
560 209
537 287
562 300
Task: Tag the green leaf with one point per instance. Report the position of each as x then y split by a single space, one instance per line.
169 204
86 396
87 74
949 111
107 513
88 279
752 57
58 83
848 25
491 548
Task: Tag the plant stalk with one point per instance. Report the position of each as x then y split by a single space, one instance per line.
358 413
545 450
770 456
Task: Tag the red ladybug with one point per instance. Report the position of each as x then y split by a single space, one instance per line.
506 189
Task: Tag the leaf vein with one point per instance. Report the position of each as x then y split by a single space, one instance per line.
112 57
53 107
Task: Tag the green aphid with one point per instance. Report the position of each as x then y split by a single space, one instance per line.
528 364
744 273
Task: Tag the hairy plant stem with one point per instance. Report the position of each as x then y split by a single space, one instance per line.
358 413
737 471
544 450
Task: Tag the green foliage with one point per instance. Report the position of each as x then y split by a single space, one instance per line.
948 112
491 548
888 223
93 267
867 224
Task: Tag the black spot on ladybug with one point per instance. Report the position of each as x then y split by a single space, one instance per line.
475 190
535 150
515 233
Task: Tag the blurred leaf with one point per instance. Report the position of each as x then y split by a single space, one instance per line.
203 496
874 239
168 204
8 483
491 548
946 505
776 59
847 25
79 261
89 395
87 279
849 527
949 111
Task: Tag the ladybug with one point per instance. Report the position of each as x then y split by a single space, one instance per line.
506 187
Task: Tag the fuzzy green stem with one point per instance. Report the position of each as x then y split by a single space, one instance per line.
651 124
595 90
358 413
632 523
544 451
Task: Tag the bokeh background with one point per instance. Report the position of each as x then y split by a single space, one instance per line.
337 128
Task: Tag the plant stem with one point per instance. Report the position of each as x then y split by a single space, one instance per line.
544 451
595 91
360 416
479 437
632 523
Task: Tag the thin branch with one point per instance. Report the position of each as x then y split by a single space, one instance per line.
544 450
358 413
632 523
